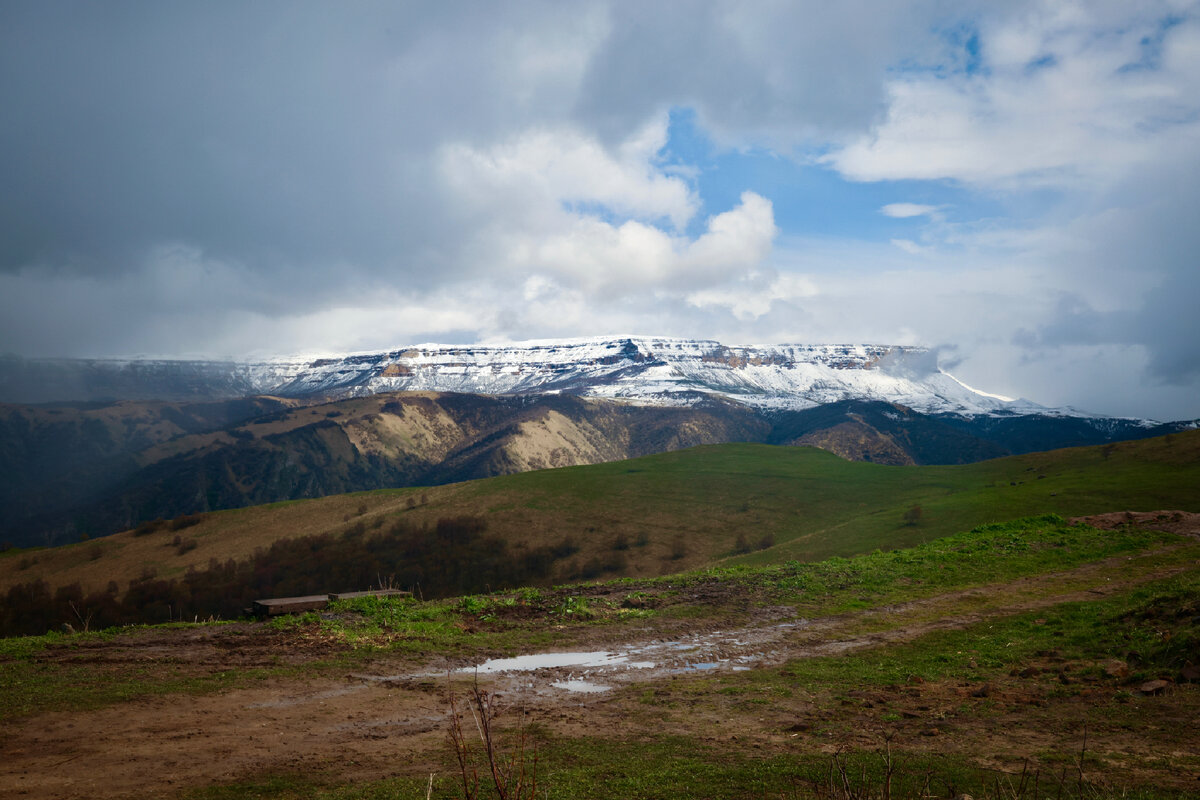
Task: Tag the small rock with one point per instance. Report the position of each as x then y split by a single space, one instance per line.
1154 687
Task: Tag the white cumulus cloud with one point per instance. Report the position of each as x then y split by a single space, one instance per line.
906 210
1062 97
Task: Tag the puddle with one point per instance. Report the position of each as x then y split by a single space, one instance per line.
531 663
587 687
595 671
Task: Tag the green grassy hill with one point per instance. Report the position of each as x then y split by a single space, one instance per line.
673 511
817 505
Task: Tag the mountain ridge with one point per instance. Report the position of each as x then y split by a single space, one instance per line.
647 370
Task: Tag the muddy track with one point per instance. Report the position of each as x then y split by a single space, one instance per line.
777 636
392 717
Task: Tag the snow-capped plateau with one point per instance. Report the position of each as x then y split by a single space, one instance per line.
648 370
639 369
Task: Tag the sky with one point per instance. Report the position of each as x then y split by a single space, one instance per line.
1015 184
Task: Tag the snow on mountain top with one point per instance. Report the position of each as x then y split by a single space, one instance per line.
657 370
646 369
980 392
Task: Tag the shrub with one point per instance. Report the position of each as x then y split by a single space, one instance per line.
150 526
566 547
186 521
678 547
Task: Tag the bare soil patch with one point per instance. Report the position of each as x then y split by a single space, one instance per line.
1182 522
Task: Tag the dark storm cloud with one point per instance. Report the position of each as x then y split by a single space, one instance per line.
272 134
147 122
792 69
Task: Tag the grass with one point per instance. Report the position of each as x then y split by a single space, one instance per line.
1084 632
509 622
990 553
31 684
686 509
672 767
818 505
531 619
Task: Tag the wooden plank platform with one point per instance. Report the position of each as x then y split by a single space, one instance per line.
290 605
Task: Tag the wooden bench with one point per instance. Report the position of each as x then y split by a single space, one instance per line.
290 605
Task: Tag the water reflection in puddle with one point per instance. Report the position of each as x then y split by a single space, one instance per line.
577 671
587 687
599 658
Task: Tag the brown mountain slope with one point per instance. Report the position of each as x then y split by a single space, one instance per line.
90 480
